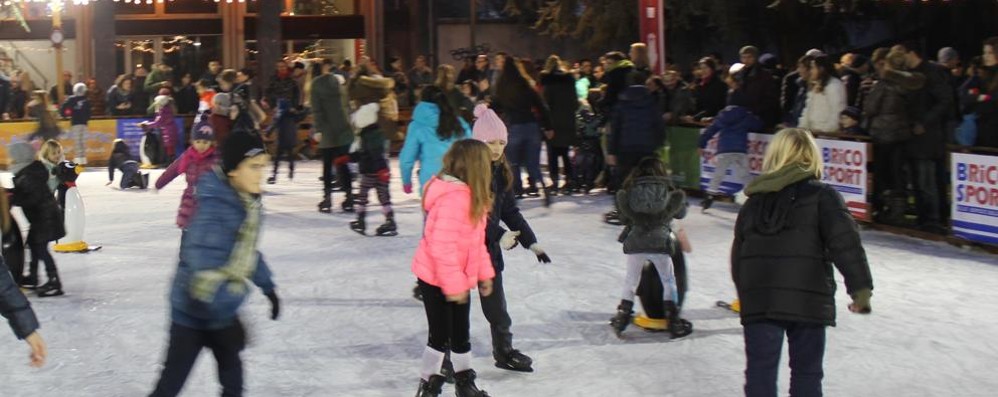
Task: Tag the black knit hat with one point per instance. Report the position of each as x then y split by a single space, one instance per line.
240 146
853 113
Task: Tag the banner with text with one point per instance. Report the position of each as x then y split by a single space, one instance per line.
757 144
975 197
845 170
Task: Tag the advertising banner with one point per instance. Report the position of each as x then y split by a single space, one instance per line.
975 197
845 170
757 144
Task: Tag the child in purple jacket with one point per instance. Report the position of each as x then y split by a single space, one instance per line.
195 162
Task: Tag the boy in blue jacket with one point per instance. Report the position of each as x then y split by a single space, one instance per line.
77 108
218 260
731 126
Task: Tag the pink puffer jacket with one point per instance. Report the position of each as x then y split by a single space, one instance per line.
452 254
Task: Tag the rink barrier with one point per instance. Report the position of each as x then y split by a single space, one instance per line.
973 179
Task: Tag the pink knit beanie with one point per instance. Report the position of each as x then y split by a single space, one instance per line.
488 127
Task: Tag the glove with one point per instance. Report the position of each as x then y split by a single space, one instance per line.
861 302
508 240
407 189
275 305
384 175
542 256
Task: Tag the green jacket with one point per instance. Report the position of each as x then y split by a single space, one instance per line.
329 112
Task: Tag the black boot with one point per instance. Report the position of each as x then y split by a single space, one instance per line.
532 191
51 288
389 228
430 388
29 282
678 327
612 218
465 384
416 293
707 203
272 180
623 318
359 225
348 204
326 205
507 357
548 196
145 181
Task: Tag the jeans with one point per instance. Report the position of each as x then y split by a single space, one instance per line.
926 190
554 171
80 133
524 149
449 322
763 346
185 346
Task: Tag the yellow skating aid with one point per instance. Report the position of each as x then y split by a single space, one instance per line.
651 324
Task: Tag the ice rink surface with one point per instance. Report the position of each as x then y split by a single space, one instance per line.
351 328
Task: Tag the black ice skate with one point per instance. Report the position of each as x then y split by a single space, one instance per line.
513 360
548 196
388 229
51 288
623 318
29 282
416 293
347 205
465 385
678 327
145 182
532 192
359 225
326 205
612 218
707 203
430 388
272 180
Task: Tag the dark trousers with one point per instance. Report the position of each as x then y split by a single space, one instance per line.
40 252
924 175
494 307
371 181
290 153
554 171
130 175
763 346
329 156
888 168
185 346
524 150
449 322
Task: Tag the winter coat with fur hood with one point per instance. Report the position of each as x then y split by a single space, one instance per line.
647 207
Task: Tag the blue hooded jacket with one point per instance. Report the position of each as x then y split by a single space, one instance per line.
424 145
733 124
207 245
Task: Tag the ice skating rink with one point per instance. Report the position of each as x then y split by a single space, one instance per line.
350 327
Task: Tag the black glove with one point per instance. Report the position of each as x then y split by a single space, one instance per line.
542 256
275 305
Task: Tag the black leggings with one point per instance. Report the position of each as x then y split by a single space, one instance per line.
185 346
554 153
40 251
290 153
449 322
329 156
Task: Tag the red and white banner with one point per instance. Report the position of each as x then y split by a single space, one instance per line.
975 197
652 22
845 170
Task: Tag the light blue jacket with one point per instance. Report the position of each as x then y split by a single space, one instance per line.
424 145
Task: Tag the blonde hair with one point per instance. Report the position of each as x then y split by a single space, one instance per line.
47 148
793 146
471 161
446 77
553 63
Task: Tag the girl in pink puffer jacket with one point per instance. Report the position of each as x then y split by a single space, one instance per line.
452 259
196 160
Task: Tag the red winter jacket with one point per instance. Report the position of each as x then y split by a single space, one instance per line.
192 164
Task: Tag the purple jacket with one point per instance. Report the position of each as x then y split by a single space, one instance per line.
165 122
192 164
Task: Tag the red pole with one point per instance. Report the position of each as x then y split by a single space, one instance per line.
652 24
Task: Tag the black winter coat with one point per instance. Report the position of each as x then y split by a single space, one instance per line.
14 306
32 194
647 208
763 93
785 245
710 98
616 82
933 106
504 209
887 108
78 109
370 157
637 125
562 101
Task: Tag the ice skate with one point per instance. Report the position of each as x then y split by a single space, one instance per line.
417 294
430 388
548 197
52 288
678 327
272 180
30 282
326 205
359 225
513 360
707 203
465 385
387 229
347 205
612 218
623 318
532 192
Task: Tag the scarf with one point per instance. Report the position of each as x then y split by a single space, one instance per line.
620 64
779 179
242 260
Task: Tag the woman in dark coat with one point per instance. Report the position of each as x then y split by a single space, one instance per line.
559 94
32 192
526 114
790 232
710 93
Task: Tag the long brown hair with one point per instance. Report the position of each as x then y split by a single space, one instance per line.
471 162
513 84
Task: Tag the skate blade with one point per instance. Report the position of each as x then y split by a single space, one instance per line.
733 307
388 234
514 369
